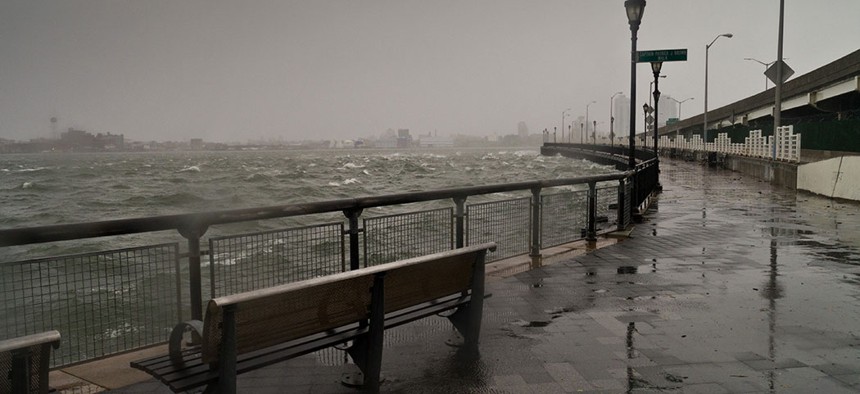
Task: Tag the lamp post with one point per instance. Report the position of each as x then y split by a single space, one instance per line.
651 89
645 109
612 119
563 114
655 68
707 47
586 113
635 9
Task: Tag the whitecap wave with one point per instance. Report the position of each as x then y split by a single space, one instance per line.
335 184
350 165
366 172
27 185
350 181
190 169
32 169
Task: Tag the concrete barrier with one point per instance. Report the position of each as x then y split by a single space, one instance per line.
831 177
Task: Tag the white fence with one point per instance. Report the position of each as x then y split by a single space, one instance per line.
787 144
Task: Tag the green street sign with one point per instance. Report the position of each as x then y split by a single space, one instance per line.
661 55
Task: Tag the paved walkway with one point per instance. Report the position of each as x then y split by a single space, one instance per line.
730 285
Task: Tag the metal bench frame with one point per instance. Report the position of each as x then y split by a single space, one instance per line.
24 362
251 330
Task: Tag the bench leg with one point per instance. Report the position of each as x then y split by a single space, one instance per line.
366 350
467 319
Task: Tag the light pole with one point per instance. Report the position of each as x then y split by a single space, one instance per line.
679 103
707 47
651 89
766 65
635 9
563 114
586 112
612 119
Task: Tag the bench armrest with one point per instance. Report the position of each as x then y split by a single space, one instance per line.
178 334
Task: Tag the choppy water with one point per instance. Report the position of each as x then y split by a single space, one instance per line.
42 189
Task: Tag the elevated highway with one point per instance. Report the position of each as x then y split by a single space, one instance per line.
823 105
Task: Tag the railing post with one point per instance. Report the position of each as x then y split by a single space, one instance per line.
460 222
537 220
353 231
620 207
591 233
192 234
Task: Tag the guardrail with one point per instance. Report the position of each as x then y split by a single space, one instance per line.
116 300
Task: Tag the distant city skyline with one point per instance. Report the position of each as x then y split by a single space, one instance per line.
226 71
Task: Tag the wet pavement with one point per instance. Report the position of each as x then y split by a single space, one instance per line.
729 285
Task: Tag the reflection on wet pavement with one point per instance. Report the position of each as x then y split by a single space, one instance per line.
730 285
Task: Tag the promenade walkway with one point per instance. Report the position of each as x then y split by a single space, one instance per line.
729 285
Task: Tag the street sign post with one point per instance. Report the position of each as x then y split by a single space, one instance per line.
661 55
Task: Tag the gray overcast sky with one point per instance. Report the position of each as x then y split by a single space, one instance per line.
234 70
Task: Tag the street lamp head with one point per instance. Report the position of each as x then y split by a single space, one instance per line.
635 9
656 67
727 35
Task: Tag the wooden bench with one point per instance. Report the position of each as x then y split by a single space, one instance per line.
24 362
246 331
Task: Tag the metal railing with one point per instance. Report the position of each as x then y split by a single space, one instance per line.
134 296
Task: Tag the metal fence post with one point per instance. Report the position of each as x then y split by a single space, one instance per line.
192 234
460 226
536 228
354 259
591 233
620 207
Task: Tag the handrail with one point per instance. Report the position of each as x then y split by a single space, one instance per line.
199 222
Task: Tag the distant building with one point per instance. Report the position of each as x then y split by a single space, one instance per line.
522 130
196 144
110 141
668 109
404 139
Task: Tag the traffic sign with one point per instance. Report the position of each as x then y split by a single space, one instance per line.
661 55
770 73
649 119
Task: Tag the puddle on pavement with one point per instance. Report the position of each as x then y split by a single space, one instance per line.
626 270
533 323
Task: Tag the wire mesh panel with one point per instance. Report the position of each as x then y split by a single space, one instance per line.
563 216
102 303
251 261
395 237
607 203
507 223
